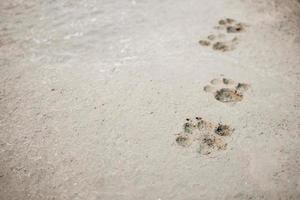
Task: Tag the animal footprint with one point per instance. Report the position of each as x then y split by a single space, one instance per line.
226 90
231 26
220 42
204 136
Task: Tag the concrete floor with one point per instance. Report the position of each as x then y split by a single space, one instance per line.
93 93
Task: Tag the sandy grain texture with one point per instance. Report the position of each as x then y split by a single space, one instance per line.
92 94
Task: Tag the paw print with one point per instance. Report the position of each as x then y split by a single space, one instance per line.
226 90
222 42
231 25
203 135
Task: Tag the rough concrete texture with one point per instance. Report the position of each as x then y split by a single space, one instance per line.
93 93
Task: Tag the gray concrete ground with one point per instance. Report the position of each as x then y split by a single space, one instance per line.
93 93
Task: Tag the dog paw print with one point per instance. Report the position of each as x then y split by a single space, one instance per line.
206 137
222 41
226 90
222 44
231 25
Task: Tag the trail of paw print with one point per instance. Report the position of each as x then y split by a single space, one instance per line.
204 136
226 90
220 42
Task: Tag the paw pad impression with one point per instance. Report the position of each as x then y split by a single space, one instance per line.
203 135
226 91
